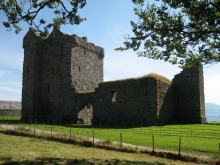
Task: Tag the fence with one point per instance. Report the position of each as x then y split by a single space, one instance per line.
196 139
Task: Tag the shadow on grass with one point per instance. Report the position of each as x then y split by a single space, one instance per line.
58 161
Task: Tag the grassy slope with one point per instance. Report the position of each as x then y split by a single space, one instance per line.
21 150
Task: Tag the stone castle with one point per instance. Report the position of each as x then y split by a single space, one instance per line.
63 81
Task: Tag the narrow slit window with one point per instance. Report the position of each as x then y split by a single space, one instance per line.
79 69
114 96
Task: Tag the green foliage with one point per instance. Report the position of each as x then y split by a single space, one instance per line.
27 11
178 31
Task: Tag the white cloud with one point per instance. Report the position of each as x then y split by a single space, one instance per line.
212 89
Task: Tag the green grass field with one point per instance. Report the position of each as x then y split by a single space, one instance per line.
23 150
197 139
9 118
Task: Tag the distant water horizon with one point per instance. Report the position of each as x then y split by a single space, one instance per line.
213 117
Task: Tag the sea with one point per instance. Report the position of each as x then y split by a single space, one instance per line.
213 117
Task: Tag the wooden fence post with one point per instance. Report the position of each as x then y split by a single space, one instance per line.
34 128
179 146
51 132
70 133
153 142
93 143
219 147
120 140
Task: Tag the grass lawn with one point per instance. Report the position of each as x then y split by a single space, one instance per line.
197 139
4 119
22 150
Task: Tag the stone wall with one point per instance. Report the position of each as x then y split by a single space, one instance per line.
189 96
31 44
132 101
54 70
63 80
10 108
10 112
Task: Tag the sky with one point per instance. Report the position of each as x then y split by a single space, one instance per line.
107 23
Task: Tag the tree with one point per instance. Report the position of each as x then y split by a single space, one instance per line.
184 32
27 11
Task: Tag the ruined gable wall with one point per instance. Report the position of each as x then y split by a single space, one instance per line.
135 102
189 95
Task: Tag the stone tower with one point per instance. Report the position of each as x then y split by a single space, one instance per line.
189 96
54 71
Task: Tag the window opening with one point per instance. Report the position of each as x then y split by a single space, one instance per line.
114 96
84 51
79 69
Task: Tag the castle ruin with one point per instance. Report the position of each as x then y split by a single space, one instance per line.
63 81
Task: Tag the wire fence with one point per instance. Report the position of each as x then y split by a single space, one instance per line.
196 139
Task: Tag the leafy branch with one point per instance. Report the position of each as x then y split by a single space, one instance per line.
180 32
28 10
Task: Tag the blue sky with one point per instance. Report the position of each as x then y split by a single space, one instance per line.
107 22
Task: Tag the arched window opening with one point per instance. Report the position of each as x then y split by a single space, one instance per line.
114 96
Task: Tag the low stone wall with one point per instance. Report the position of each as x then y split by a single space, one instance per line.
10 112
